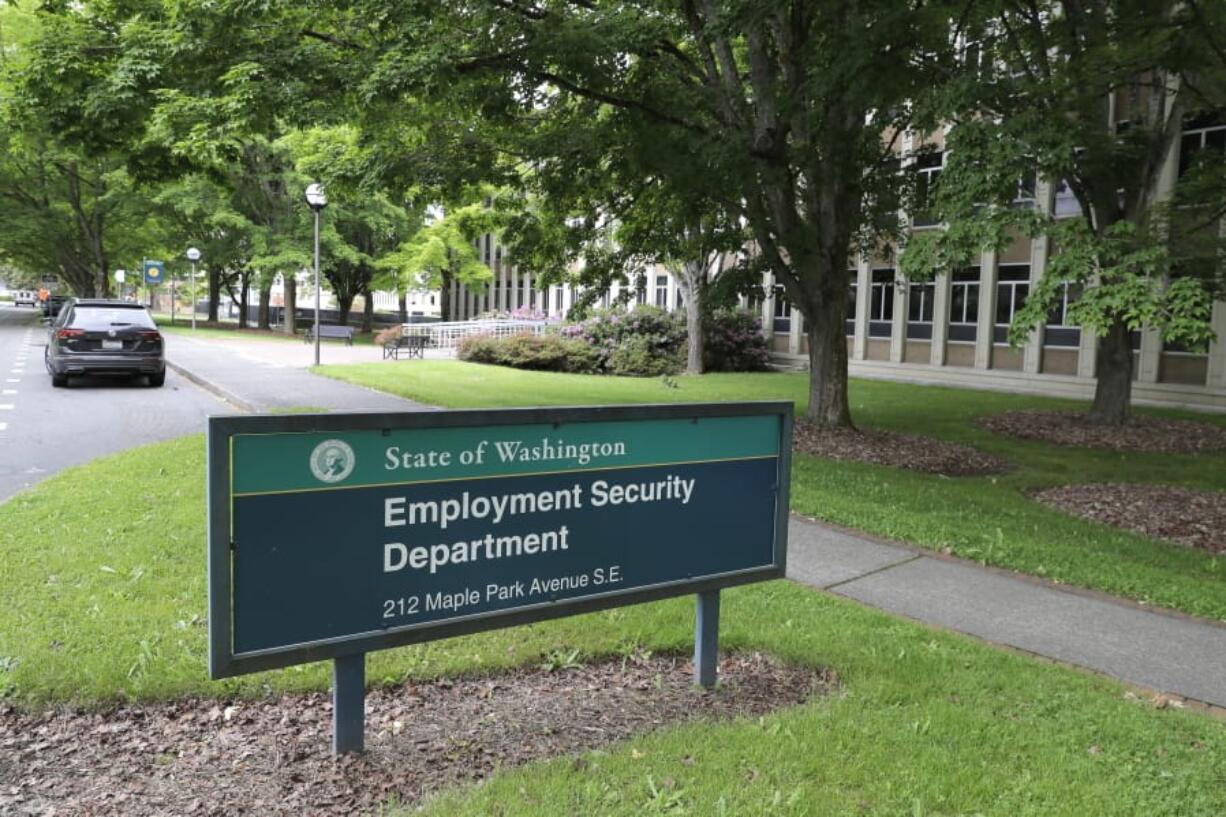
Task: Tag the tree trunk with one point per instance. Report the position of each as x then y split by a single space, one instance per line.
244 294
444 296
824 329
402 305
344 302
291 305
368 311
214 293
692 278
262 321
1113 385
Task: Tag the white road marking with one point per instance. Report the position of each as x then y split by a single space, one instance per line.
9 391
12 380
18 371
6 406
3 426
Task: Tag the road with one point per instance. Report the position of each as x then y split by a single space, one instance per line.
43 429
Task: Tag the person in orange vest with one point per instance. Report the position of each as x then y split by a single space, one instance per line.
43 294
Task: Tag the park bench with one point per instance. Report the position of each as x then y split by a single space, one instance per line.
413 346
344 333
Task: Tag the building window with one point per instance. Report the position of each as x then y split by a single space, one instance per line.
881 303
640 290
919 310
1026 189
927 170
662 291
782 320
1066 203
1058 330
1200 133
851 308
488 241
964 305
1012 287
557 300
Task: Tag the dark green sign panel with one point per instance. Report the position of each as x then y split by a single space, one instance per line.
336 534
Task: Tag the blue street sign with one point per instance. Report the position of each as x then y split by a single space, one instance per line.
155 273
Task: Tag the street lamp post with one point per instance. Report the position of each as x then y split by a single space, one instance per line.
193 255
317 201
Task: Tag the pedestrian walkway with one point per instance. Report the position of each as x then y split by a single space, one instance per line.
266 375
1175 654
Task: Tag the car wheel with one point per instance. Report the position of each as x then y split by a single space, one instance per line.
59 380
158 379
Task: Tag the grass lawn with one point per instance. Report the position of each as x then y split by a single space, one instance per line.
105 598
989 519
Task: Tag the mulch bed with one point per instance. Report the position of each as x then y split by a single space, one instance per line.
271 757
1147 434
915 453
1181 515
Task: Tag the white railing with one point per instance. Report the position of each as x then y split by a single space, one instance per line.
447 335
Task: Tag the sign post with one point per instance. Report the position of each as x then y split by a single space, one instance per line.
155 274
333 535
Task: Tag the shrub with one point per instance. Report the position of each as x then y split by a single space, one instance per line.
388 335
640 356
734 343
550 352
654 332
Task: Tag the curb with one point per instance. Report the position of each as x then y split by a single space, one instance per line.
217 391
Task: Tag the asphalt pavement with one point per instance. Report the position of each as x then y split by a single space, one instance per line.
44 430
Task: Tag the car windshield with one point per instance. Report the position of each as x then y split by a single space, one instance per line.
102 318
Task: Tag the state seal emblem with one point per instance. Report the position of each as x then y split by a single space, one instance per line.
332 461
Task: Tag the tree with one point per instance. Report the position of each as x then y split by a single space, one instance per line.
783 103
68 213
1093 95
444 252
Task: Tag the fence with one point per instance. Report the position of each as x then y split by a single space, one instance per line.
447 335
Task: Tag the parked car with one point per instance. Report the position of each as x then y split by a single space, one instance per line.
108 337
53 305
25 297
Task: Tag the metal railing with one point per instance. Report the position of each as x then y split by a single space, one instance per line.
447 334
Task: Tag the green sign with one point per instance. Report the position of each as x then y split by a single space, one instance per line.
335 534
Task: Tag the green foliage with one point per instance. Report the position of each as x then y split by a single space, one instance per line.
642 356
1103 120
548 352
444 250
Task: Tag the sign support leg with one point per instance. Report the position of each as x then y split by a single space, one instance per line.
348 703
706 638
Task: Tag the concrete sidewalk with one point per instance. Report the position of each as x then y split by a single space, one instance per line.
1167 652
263 375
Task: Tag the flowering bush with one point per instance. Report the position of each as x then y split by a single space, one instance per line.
734 343
652 341
388 335
644 342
